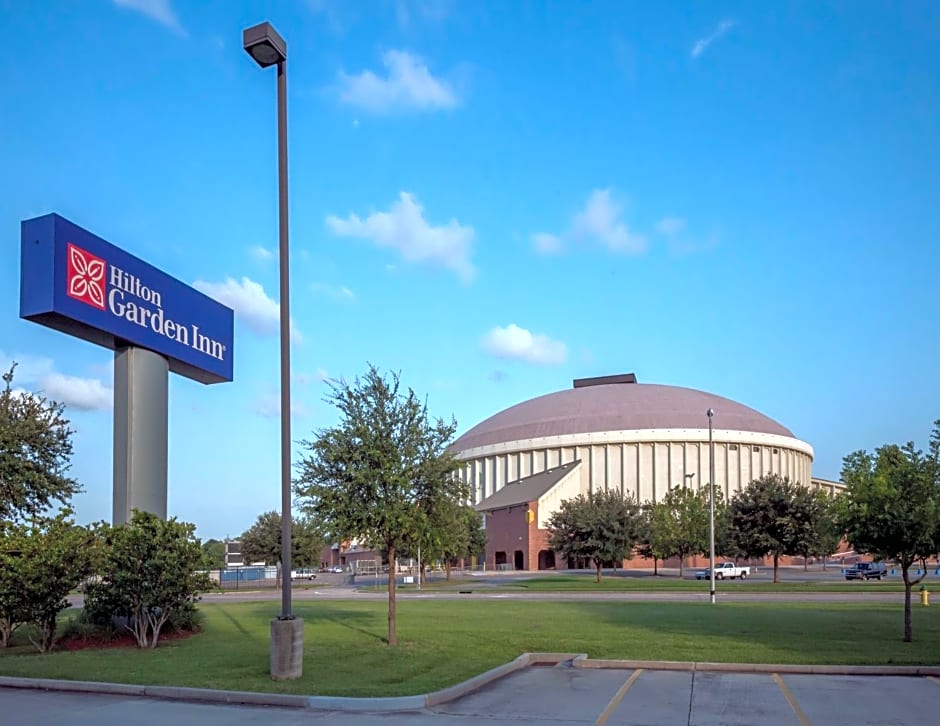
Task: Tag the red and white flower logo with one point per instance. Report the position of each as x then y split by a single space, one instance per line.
85 277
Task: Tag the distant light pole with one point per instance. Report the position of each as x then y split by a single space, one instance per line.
711 503
263 43
690 477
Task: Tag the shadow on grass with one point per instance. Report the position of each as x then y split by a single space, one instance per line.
754 632
237 623
356 621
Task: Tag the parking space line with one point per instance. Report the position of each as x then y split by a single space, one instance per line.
934 679
791 700
618 697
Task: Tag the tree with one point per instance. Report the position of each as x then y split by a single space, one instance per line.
35 448
453 532
372 476
261 542
602 527
55 557
151 572
771 517
655 533
725 544
891 507
824 536
214 552
680 524
12 611
475 542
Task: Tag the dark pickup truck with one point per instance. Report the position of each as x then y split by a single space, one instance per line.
866 571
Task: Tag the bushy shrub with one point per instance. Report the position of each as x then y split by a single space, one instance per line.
42 562
83 627
149 575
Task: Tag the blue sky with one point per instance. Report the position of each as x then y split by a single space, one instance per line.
492 198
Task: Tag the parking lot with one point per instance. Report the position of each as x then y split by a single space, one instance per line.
557 694
656 697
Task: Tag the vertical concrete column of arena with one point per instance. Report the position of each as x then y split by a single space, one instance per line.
141 382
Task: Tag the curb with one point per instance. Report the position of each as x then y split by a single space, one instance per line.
523 661
436 698
793 669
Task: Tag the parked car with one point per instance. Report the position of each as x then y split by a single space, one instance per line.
866 571
724 570
337 568
304 573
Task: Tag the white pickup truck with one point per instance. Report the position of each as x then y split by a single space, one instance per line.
724 570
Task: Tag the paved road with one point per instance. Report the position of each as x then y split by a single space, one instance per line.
489 586
348 593
560 695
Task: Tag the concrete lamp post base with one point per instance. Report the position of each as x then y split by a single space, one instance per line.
287 649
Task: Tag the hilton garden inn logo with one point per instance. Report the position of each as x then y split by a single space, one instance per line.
91 280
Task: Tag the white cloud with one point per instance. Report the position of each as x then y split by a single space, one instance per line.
268 405
600 220
250 303
428 10
517 343
159 10
404 228
29 368
38 373
334 12
261 254
547 244
681 244
701 45
339 293
85 394
670 225
409 86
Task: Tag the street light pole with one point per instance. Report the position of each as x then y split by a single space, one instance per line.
283 254
711 504
263 43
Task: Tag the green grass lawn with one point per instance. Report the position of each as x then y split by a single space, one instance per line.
618 583
445 642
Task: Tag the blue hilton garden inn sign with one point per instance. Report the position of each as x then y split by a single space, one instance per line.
77 283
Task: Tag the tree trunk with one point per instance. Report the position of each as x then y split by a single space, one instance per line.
392 637
447 569
905 568
776 568
805 564
655 566
599 565
6 632
681 563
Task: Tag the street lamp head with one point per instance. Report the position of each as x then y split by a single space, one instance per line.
710 412
263 43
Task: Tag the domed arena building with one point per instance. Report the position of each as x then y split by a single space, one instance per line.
611 433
